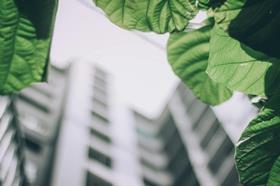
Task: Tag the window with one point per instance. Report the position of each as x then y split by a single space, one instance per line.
100 103
179 163
197 108
173 145
99 117
186 96
93 180
34 102
167 129
147 164
187 179
44 90
148 182
100 157
33 123
210 134
101 73
231 178
100 80
32 145
207 117
100 135
222 153
99 106
101 92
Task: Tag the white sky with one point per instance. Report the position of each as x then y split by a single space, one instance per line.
140 69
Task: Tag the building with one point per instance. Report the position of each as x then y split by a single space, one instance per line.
30 123
11 152
39 112
186 145
99 145
61 133
75 131
89 150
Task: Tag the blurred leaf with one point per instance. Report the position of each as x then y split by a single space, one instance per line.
258 149
159 16
241 68
25 36
188 54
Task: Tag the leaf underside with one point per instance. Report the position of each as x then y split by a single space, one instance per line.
159 16
188 54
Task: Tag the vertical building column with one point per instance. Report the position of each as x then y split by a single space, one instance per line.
73 141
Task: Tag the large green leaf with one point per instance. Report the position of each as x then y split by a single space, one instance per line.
149 15
188 54
254 23
240 67
25 36
258 149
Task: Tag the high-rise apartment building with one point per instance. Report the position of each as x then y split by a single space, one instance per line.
186 145
11 152
29 126
84 138
89 151
39 111
75 131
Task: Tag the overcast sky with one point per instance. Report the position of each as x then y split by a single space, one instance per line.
139 68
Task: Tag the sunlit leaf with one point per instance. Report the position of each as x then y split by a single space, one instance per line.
241 68
25 36
188 54
149 15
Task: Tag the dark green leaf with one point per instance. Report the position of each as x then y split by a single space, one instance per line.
25 36
206 4
274 178
258 149
255 23
188 54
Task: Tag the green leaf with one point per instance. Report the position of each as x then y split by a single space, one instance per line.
25 36
159 16
254 23
274 178
242 68
188 54
258 149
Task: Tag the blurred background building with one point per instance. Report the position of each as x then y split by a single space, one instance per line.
186 145
39 113
73 131
11 146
